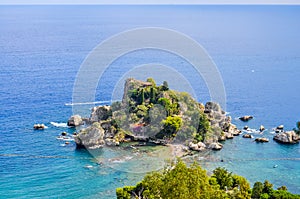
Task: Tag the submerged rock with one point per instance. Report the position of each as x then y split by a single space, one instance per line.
75 120
289 137
261 140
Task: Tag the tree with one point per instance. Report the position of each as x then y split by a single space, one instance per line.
257 190
298 128
177 181
152 95
151 80
223 177
203 127
172 124
242 186
268 187
165 86
142 96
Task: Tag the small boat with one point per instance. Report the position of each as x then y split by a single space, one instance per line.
275 166
38 126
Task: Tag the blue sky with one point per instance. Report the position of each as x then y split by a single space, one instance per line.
143 2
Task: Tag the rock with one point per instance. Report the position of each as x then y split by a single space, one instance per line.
246 127
91 137
234 130
75 120
261 128
280 127
222 138
212 106
246 118
215 146
288 137
200 146
111 142
247 136
100 113
261 140
38 126
228 136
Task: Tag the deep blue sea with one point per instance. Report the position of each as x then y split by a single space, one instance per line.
256 49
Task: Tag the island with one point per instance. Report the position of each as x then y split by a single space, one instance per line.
152 114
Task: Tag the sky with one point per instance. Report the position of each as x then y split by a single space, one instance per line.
146 2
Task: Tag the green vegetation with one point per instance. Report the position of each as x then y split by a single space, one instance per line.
298 128
180 181
181 113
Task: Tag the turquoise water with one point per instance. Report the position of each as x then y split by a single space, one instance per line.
256 49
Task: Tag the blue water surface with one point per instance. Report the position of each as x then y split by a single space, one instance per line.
256 49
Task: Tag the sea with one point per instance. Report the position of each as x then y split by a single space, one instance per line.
256 50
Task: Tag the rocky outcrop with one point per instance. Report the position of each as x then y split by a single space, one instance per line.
200 146
246 118
100 113
288 137
219 120
215 146
91 137
233 130
75 120
261 140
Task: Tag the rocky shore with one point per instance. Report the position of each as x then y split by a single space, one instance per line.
155 115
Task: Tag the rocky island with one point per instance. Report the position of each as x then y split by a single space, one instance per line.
155 114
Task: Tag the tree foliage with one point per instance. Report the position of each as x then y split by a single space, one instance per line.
183 182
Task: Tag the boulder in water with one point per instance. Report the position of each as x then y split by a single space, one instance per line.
91 137
75 120
247 136
261 140
246 118
261 128
288 137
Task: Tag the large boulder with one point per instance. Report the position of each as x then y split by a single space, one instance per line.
288 137
215 146
100 113
200 146
91 137
75 120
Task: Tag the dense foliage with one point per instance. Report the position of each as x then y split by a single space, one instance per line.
180 181
161 112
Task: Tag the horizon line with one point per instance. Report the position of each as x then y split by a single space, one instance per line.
150 2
